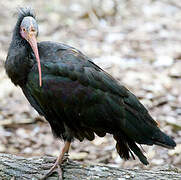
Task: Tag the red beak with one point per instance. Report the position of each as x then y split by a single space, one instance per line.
33 43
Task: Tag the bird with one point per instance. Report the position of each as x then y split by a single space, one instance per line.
77 97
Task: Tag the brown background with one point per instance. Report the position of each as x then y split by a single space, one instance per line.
136 41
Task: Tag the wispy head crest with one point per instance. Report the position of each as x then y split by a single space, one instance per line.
27 11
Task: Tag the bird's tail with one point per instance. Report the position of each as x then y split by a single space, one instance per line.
126 146
161 139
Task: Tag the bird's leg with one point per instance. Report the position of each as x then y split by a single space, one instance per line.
59 160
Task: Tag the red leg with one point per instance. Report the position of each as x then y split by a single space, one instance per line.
59 160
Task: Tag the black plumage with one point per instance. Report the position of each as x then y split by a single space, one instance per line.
77 97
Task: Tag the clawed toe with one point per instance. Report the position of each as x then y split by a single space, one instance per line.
55 168
61 158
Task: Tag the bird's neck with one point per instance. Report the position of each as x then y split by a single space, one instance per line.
19 60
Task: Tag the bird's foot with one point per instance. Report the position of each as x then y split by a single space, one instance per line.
55 168
61 159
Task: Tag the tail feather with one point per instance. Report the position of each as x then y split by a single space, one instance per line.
125 147
138 152
163 140
122 147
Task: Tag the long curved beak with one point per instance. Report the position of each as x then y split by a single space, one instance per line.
33 43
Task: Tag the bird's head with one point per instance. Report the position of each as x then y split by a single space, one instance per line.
28 28
29 32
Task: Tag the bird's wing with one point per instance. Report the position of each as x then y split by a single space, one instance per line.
77 66
87 93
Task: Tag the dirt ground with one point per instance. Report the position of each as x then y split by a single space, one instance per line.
138 42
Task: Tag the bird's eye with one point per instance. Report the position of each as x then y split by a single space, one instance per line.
33 30
23 29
